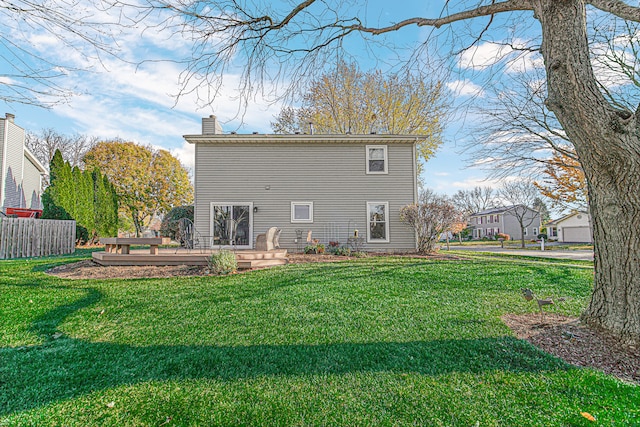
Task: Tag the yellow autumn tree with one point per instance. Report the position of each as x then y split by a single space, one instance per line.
148 182
348 100
564 184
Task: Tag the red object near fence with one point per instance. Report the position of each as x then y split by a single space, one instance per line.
24 212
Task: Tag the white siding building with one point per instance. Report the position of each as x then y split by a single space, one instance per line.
573 228
20 172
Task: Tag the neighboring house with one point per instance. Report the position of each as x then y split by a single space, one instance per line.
490 222
21 173
574 228
330 185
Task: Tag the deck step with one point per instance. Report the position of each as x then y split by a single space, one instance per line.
254 255
261 263
246 259
107 259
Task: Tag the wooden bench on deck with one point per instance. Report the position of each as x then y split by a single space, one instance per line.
121 245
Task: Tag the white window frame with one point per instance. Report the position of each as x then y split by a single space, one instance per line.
526 231
386 221
293 211
386 160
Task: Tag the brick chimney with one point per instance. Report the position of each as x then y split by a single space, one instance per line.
211 126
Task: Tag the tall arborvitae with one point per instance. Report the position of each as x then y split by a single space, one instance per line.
105 205
87 197
53 197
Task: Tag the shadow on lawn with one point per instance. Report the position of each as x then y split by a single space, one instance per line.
66 368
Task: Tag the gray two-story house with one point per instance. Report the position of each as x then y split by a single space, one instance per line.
338 187
512 220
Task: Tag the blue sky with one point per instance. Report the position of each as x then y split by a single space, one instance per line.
134 101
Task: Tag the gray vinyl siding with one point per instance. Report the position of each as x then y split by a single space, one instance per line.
31 185
332 176
12 179
531 220
512 226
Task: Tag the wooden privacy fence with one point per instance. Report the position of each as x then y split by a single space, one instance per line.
31 237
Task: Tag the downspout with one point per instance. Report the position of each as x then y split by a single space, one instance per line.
415 185
21 192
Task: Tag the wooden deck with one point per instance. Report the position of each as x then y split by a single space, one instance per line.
246 259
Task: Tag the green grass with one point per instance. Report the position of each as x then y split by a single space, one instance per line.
377 341
516 244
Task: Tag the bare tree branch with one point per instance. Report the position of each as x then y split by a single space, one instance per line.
479 11
617 8
32 75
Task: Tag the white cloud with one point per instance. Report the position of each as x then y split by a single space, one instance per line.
43 41
516 57
525 62
475 181
465 88
483 56
186 155
607 69
447 186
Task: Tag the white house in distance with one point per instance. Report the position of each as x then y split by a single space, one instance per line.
490 222
20 172
330 185
572 228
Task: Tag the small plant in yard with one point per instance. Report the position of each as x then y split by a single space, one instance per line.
317 248
342 251
222 262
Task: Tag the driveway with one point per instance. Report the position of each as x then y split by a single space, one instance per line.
586 255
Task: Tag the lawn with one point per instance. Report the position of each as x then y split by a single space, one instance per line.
372 342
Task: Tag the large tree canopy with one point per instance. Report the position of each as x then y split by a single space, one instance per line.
148 182
349 100
281 43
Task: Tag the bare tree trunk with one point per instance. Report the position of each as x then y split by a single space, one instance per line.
522 245
608 145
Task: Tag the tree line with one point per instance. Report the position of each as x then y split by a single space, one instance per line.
107 186
87 196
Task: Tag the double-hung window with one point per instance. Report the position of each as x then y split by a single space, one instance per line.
377 159
302 212
378 217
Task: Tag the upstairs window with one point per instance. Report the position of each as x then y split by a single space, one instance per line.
377 159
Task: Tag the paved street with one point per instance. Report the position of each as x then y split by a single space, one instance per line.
560 254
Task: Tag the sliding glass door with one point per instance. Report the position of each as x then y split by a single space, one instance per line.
232 225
